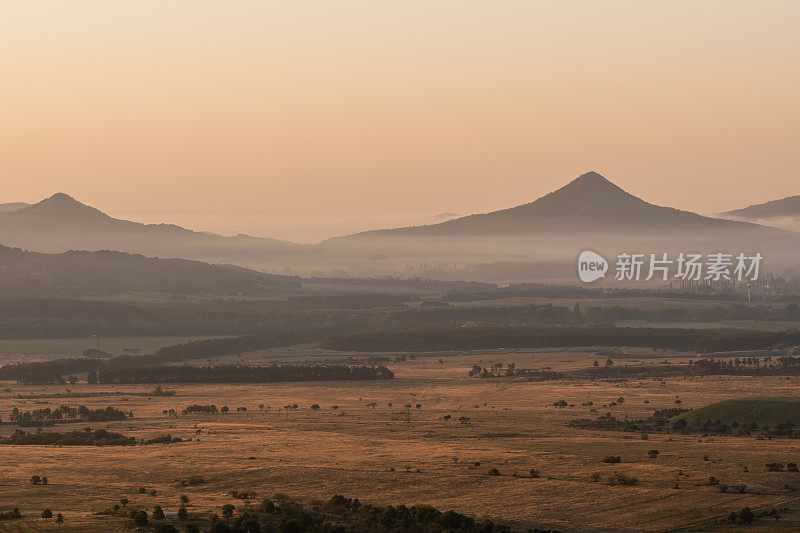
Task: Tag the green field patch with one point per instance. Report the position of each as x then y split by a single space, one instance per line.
766 412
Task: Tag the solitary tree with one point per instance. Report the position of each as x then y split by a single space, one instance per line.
315 407
59 518
139 518
47 513
158 513
183 514
184 499
36 480
227 510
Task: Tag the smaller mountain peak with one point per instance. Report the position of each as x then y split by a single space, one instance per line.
62 205
590 182
61 197
591 177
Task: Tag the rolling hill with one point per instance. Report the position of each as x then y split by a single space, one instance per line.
785 207
13 206
61 223
101 273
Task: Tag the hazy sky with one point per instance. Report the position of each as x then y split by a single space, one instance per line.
302 119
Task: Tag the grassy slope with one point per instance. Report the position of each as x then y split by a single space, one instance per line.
767 412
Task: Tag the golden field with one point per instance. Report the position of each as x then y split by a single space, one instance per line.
386 454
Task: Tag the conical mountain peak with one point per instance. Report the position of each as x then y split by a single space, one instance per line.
61 206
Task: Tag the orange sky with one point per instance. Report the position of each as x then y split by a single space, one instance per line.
307 119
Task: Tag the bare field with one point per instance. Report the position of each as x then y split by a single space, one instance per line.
388 454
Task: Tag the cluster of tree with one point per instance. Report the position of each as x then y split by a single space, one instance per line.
344 514
197 408
163 439
13 514
750 366
99 437
46 372
496 371
719 427
47 417
660 422
608 422
243 374
491 337
745 516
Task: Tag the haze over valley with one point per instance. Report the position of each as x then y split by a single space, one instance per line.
528 266
533 241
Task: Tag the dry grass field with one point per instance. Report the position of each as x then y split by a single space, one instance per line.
388 454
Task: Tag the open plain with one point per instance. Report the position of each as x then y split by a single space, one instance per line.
392 442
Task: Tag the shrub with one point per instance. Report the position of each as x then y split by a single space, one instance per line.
158 513
622 480
13 514
613 459
139 518
652 454
494 472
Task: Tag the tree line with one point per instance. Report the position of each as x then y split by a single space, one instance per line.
99 437
320 316
243 374
493 337
47 417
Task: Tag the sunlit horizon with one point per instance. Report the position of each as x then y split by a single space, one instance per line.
306 120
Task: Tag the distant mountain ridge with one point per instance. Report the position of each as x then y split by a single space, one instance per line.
61 223
785 207
12 206
589 203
